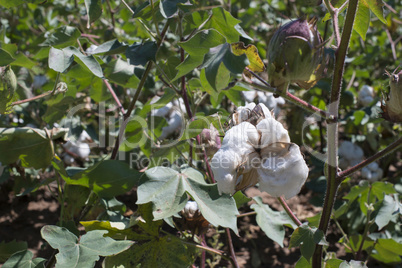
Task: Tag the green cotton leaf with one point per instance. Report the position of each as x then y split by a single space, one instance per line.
222 56
356 191
9 248
8 3
224 23
56 108
358 115
121 73
388 251
362 19
194 128
307 238
88 61
356 241
386 211
5 58
168 8
59 60
23 259
23 61
270 221
107 179
116 230
303 263
376 6
333 263
26 144
166 188
140 54
167 251
198 46
381 188
110 47
62 37
94 10
83 252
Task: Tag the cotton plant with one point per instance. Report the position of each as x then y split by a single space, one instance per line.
173 113
257 149
78 147
350 154
372 172
366 95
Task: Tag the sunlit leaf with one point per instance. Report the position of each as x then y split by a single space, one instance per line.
256 64
83 252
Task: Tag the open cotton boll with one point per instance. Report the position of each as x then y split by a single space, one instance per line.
284 174
272 131
366 95
236 146
372 172
270 101
174 124
350 154
243 113
250 95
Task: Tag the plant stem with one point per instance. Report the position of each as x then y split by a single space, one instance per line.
231 248
111 13
136 96
289 211
389 149
33 98
332 128
116 99
367 227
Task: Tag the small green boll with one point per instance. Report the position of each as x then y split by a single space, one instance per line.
294 54
392 110
8 85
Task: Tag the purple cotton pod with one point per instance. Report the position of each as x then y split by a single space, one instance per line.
210 138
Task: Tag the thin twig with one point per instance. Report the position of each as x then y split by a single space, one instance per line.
231 249
390 148
111 13
289 211
291 98
116 99
392 44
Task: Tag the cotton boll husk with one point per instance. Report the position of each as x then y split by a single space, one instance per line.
243 113
272 131
267 112
284 174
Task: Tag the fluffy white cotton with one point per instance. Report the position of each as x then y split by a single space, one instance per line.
262 153
174 123
172 112
372 172
272 131
78 147
284 174
366 95
350 154
190 209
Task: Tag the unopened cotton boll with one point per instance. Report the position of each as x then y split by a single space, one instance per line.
372 172
366 95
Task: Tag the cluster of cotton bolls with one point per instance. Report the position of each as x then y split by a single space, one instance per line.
173 113
351 154
78 147
266 98
257 149
372 172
